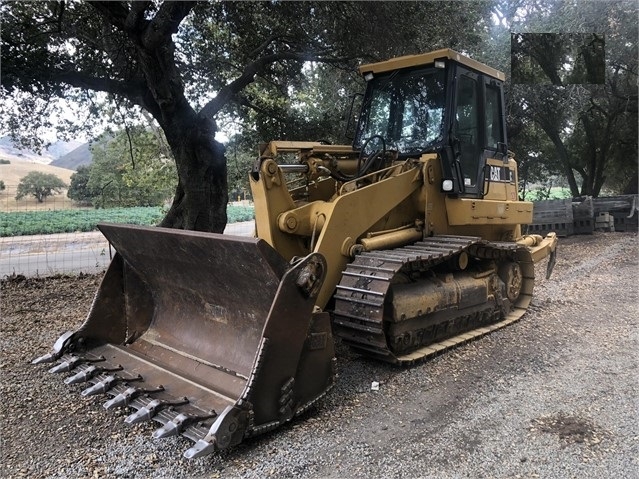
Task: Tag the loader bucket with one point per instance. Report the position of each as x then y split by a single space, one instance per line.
215 337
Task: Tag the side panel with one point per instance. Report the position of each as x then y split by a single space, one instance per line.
470 211
352 215
492 218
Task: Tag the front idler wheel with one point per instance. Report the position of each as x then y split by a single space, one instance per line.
510 273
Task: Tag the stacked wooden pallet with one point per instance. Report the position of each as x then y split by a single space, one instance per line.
552 215
623 210
585 215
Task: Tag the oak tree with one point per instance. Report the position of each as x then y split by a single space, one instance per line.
39 185
190 65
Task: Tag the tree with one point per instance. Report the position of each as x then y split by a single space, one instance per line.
40 185
592 127
561 58
2 186
187 72
78 188
130 168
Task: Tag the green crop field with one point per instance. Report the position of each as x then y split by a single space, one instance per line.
555 193
20 223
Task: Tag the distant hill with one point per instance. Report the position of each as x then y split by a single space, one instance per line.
56 150
78 157
12 173
60 148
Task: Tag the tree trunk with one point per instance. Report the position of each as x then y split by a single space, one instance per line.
563 156
599 145
201 195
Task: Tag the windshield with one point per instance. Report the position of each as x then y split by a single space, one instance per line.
405 108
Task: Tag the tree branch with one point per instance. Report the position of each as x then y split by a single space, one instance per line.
264 45
135 18
228 92
130 90
60 15
165 23
115 13
243 101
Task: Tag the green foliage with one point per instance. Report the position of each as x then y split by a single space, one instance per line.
236 214
4 162
39 185
547 192
558 58
2 186
131 168
69 221
78 189
315 104
586 132
240 160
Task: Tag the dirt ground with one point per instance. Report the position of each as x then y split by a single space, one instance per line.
554 395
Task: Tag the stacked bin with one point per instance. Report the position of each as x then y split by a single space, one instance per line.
622 210
552 215
604 221
583 216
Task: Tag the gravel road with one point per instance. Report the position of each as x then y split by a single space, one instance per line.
555 395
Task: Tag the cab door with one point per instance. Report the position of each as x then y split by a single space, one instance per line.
499 170
467 130
479 133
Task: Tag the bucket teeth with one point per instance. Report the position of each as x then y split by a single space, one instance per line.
178 424
124 398
47 358
101 387
151 409
106 384
58 349
70 364
88 373
144 413
82 376
174 427
199 449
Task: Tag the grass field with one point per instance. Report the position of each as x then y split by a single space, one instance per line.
21 223
556 193
12 173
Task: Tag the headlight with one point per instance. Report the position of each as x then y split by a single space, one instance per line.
447 185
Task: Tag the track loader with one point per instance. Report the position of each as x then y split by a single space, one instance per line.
403 244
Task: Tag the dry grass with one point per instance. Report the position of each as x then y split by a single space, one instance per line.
12 173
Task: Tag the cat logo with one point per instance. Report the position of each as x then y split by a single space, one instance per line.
501 174
495 173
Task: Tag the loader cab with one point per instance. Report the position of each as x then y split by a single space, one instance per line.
439 102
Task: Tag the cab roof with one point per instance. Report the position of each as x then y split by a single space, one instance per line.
427 59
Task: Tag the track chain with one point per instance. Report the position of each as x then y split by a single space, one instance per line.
361 293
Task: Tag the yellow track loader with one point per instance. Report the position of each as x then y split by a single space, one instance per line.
404 244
